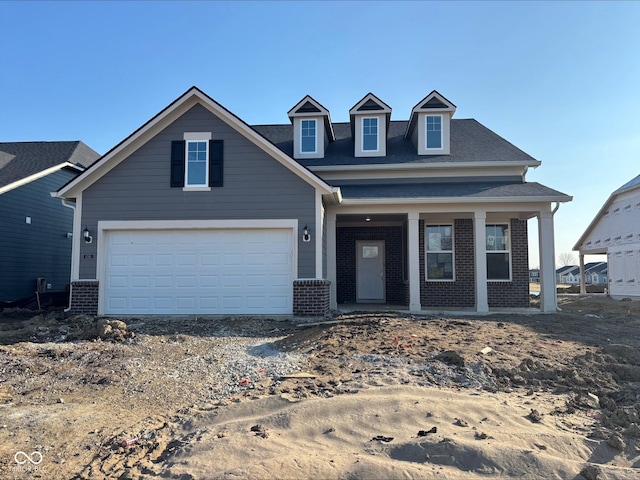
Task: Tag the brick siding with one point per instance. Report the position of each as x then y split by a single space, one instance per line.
311 298
84 297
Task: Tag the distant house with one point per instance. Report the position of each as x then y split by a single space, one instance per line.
615 231
567 274
595 273
534 275
35 227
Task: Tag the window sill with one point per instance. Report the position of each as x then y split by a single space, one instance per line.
196 189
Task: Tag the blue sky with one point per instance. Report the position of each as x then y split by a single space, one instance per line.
560 80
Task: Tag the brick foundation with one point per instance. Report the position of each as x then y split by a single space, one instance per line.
311 298
84 297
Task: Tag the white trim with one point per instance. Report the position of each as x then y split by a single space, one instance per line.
331 259
427 251
422 166
315 137
362 149
40 174
196 189
195 136
413 224
449 200
479 232
205 184
320 212
426 140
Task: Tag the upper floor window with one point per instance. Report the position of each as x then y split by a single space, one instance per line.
434 131
197 165
308 136
370 134
439 252
498 252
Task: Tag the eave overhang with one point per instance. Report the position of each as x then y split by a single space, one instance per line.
41 174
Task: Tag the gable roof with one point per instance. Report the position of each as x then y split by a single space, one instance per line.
309 107
170 113
627 187
24 162
471 143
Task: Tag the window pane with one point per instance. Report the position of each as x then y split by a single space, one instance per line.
497 237
196 163
308 135
369 133
440 266
197 173
434 132
439 237
497 266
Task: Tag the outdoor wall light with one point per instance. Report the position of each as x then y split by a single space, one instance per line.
87 235
306 236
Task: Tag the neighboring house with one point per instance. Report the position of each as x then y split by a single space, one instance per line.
571 276
35 228
615 231
198 212
534 275
595 273
563 274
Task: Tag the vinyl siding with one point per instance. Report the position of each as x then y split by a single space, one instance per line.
256 186
39 249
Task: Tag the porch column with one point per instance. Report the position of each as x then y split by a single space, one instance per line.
331 260
479 232
583 285
414 261
548 297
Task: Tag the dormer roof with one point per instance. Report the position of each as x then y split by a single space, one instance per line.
309 107
432 103
369 104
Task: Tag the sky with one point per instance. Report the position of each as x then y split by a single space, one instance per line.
560 80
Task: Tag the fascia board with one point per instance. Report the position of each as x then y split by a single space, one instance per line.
369 96
450 200
420 166
190 98
41 174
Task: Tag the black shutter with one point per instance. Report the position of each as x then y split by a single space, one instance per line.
177 163
216 150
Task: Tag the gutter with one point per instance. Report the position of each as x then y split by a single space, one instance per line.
73 257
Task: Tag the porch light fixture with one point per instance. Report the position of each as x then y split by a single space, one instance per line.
87 235
306 236
367 218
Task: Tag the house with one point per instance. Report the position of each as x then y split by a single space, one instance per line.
199 212
595 273
534 275
615 232
35 228
568 274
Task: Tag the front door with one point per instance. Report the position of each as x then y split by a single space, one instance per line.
370 279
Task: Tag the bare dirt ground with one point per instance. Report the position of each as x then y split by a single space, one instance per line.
72 389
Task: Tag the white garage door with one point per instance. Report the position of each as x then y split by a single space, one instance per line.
230 271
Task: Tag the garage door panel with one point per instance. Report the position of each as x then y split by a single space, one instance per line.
199 271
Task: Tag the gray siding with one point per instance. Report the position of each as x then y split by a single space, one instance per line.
256 186
39 249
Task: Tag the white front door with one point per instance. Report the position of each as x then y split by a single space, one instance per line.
370 277
206 271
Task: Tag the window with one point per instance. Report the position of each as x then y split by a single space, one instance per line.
498 252
197 163
434 131
308 136
370 134
439 239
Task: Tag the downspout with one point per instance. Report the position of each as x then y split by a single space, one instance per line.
72 206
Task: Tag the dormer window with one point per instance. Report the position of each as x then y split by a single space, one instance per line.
308 136
434 132
429 126
312 129
370 134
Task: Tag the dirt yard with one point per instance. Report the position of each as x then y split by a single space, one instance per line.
74 390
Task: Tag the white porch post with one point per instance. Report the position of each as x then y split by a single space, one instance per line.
479 225
414 261
583 285
331 260
548 296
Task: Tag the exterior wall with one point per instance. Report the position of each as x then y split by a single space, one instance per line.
624 271
255 187
311 298
39 249
514 294
84 298
346 238
461 292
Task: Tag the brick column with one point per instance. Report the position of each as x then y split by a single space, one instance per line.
311 298
84 297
